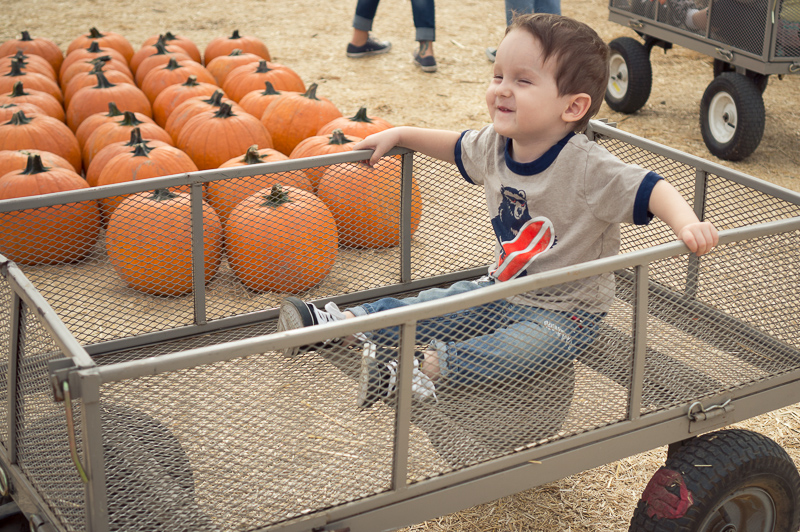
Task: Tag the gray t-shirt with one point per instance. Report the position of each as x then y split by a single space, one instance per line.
562 209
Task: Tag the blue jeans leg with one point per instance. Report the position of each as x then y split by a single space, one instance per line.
525 7
365 14
424 13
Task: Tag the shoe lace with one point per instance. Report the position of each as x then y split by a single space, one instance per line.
421 385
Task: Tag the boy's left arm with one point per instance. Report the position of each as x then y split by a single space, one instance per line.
668 204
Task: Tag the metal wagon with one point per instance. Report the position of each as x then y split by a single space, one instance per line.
128 411
748 40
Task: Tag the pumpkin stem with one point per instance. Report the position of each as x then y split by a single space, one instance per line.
215 99
19 119
173 64
34 165
276 197
136 137
94 33
161 47
252 156
18 90
102 60
191 81
169 36
270 90
225 111
338 137
361 116
102 82
113 110
235 35
311 92
97 66
130 119
26 36
20 54
163 194
236 51
263 67
16 69
94 47
141 150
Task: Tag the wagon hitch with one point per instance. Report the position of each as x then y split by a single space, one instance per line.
700 417
60 370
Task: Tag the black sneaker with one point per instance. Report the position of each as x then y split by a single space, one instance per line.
491 54
426 63
378 378
296 314
371 47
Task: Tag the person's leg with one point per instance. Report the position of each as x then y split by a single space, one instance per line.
518 7
547 6
424 12
361 45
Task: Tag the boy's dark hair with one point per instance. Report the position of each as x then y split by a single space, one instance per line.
581 56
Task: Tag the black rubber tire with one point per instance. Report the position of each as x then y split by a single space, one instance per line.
720 469
761 80
732 101
630 75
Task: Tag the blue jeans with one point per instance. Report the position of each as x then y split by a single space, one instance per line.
495 340
423 11
525 7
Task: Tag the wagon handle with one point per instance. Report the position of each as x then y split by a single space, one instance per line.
73 447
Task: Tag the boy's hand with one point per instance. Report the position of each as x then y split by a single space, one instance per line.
380 143
699 237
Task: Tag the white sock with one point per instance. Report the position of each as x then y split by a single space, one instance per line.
689 19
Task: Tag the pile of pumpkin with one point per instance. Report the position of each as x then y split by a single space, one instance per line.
104 113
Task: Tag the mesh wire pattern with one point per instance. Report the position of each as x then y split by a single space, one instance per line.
257 440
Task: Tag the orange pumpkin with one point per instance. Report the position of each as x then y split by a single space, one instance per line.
96 120
225 194
41 132
142 162
32 80
29 62
89 79
108 152
282 239
193 106
47 235
107 39
180 41
87 65
256 102
174 72
147 50
158 59
225 45
358 125
291 118
149 242
7 110
336 142
119 130
95 99
366 202
46 102
222 65
11 160
210 140
91 52
250 77
34 45
174 95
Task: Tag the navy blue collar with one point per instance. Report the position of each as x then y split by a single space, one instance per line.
539 165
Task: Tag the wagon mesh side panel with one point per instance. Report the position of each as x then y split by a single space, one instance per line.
787 29
42 444
6 296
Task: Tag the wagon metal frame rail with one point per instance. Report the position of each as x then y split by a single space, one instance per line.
66 484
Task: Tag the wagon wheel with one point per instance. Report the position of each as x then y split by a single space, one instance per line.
760 80
732 116
630 75
725 481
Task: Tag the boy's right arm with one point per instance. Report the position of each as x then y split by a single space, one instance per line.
436 143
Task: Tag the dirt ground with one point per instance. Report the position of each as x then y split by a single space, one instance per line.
310 37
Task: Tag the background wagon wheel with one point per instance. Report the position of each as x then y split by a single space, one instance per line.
761 80
630 75
729 480
732 116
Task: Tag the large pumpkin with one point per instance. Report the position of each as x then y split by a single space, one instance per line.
41 132
174 95
89 79
194 106
46 235
142 162
149 242
256 102
32 80
96 120
120 130
44 101
336 142
158 59
358 125
225 45
90 53
180 41
108 39
281 239
29 63
174 72
366 202
34 45
292 118
210 140
86 65
225 194
107 153
95 99
252 76
12 160
222 65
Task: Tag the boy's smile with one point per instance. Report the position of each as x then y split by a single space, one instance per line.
523 98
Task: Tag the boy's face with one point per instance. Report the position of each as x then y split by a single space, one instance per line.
522 97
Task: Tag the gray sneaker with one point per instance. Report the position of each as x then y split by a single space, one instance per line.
371 47
378 378
296 314
427 63
491 54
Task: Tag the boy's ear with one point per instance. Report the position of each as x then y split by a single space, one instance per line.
577 106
